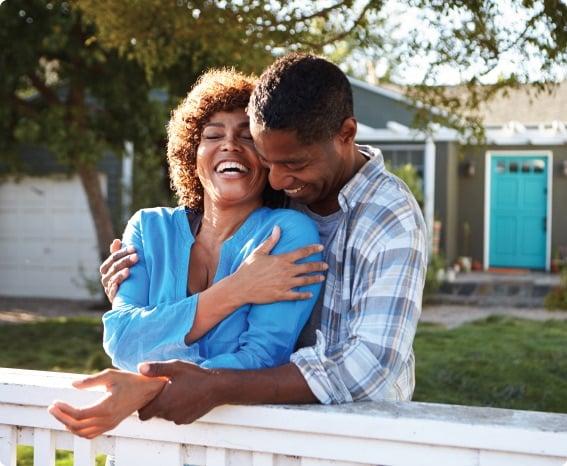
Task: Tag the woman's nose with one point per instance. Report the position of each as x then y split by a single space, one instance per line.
231 143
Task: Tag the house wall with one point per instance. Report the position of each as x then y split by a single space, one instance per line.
38 161
471 195
446 197
376 110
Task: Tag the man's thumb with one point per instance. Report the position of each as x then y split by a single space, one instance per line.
158 369
267 246
115 245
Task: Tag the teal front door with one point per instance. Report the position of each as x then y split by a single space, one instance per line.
518 211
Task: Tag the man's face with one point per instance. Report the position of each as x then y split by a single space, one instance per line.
307 173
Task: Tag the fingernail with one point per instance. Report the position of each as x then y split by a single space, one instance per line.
325 266
320 247
143 367
134 257
131 249
321 278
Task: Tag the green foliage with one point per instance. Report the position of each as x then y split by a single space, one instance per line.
432 283
408 174
62 457
556 299
499 362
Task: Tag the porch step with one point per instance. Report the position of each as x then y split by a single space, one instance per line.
488 289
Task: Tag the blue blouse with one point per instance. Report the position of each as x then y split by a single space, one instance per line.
152 313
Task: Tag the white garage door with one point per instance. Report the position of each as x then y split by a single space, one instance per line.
48 244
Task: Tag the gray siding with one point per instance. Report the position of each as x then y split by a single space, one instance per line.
446 197
375 110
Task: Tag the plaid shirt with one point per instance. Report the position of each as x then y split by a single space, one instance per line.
372 297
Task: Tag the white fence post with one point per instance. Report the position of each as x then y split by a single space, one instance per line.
128 452
8 444
83 451
216 457
43 448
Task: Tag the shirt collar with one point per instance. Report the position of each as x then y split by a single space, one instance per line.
357 185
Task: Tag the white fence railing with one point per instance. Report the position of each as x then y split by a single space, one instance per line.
355 434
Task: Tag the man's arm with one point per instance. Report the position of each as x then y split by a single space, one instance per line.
362 366
193 391
373 360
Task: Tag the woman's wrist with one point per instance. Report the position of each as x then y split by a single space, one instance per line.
234 293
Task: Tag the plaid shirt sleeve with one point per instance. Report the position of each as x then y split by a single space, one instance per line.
375 360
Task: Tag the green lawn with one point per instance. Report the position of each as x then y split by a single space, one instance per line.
499 362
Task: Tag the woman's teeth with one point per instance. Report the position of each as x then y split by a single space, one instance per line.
230 166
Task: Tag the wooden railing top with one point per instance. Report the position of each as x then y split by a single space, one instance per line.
408 422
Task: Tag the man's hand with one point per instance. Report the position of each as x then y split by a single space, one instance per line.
126 392
115 269
191 392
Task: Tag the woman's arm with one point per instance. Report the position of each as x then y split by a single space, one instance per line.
274 328
134 331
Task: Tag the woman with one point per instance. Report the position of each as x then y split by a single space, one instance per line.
194 293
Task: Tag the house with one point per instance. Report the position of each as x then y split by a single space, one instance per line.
48 243
502 203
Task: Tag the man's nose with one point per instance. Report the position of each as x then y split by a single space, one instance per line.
279 178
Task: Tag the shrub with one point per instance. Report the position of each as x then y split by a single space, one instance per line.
556 299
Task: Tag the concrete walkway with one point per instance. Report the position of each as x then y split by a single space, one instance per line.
452 316
19 310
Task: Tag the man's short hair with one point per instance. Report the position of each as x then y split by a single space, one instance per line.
302 93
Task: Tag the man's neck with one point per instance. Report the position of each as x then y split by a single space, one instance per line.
351 166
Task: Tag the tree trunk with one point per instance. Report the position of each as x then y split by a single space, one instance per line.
100 212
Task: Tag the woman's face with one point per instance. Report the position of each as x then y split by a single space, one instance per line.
227 164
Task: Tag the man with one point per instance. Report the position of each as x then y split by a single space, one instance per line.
302 122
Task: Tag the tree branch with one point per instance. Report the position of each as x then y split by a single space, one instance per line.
48 94
26 107
345 33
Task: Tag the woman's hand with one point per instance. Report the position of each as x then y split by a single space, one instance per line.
263 278
126 393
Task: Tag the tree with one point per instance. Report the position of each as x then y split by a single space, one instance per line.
70 95
77 76
471 40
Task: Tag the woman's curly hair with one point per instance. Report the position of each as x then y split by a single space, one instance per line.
216 90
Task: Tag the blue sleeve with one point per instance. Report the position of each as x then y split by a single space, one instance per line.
134 331
273 329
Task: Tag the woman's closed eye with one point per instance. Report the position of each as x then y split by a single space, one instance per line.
212 135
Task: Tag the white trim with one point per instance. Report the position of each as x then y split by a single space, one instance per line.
429 189
127 179
487 191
